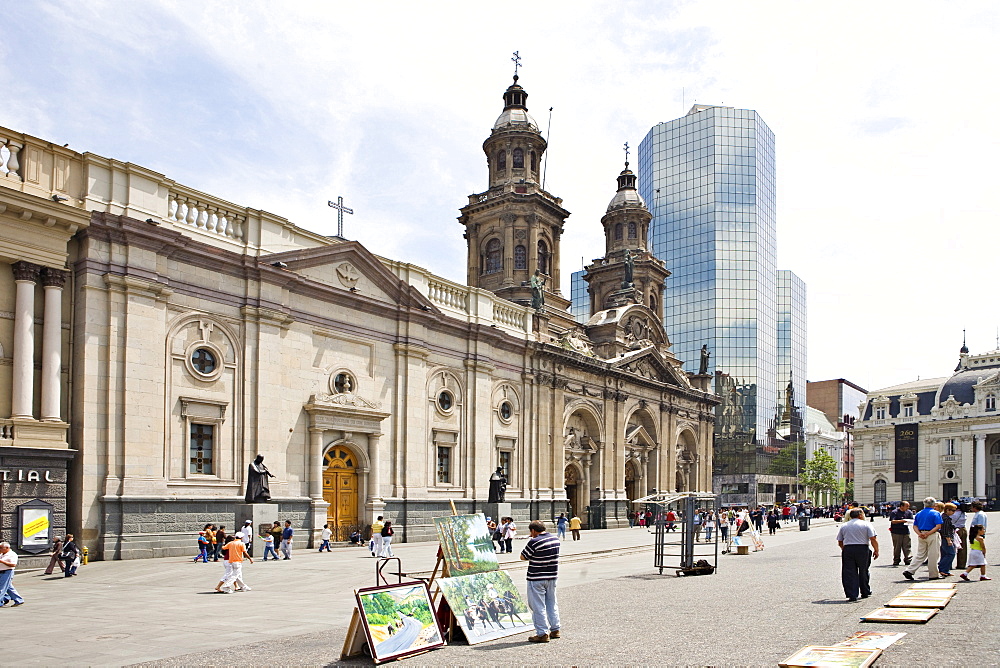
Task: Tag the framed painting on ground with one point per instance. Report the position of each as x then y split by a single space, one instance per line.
933 585
466 544
398 620
900 615
870 640
814 655
486 605
919 602
923 593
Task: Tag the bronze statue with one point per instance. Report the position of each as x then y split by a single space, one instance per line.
537 293
498 486
257 484
703 367
629 270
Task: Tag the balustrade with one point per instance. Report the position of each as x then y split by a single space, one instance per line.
206 217
6 430
448 296
9 162
507 315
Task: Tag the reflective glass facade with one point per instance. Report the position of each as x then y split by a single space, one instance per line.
580 306
791 354
709 180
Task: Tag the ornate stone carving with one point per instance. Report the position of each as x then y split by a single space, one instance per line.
347 274
520 234
508 218
25 271
53 277
348 400
577 341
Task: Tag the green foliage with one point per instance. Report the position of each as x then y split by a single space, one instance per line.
784 463
466 543
849 491
476 587
383 607
820 473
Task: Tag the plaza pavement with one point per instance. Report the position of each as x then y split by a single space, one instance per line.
616 610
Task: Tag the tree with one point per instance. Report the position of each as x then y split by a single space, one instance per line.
785 462
820 473
849 491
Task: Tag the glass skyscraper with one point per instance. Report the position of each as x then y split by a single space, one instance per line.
579 297
709 181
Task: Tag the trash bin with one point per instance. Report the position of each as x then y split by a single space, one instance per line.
803 523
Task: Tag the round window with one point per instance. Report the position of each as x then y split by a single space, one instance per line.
949 474
506 410
445 400
203 361
343 383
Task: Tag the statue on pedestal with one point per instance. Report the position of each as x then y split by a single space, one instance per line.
629 270
537 291
257 484
703 367
498 486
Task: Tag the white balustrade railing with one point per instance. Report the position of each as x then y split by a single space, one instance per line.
449 296
509 315
210 218
9 159
6 430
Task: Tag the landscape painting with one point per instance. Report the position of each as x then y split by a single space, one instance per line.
849 657
466 544
870 640
486 605
398 620
921 602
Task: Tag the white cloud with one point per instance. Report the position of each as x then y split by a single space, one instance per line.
883 114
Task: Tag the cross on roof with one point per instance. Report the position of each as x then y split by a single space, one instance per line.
626 155
517 63
341 210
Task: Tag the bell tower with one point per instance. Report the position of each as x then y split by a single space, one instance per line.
628 273
514 227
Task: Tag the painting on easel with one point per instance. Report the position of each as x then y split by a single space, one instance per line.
398 620
486 605
466 544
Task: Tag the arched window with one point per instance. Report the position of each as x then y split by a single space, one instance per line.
501 161
518 158
618 232
991 402
494 261
631 230
534 162
880 492
543 257
652 303
520 257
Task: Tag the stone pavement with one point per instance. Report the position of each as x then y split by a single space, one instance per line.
616 610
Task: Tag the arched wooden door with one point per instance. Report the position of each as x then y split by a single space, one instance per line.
631 489
573 484
340 487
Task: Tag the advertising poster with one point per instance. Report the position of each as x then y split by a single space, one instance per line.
906 452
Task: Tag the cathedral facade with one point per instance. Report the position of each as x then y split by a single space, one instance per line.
155 339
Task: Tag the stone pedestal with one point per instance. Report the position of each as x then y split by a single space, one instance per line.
702 381
496 511
623 296
263 516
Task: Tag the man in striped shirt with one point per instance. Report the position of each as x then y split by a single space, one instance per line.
542 555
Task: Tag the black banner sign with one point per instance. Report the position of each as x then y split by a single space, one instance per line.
906 452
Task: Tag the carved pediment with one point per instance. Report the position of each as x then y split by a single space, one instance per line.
651 365
349 266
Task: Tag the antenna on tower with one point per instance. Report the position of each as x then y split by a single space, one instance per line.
545 167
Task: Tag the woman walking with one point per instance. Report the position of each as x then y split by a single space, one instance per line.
509 532
70 556
54 559
387 533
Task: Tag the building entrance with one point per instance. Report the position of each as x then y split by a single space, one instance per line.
340 489
573 485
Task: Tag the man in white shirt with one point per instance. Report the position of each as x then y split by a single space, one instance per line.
979 517
325 537
855 558
8 562
246 534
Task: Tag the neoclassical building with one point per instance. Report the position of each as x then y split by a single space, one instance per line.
938 437
154 339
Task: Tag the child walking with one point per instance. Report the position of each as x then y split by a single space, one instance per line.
977 553
268 539
203 547
327 534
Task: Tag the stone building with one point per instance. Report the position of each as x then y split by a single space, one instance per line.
156 339
938 437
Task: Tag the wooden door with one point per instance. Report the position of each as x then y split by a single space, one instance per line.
340 488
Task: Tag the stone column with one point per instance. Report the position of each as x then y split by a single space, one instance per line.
316 463
980 476
53 280
25 276
374 476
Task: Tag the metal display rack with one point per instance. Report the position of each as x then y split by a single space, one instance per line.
679 551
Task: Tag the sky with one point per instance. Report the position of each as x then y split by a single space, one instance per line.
884 116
